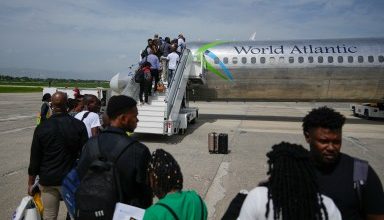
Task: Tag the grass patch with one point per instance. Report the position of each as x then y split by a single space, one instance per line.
19 89
59 84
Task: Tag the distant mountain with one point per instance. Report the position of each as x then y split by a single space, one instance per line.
43 74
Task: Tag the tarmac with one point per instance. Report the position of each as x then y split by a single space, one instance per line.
252 128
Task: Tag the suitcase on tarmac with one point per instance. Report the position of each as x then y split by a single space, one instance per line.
222 143
212 142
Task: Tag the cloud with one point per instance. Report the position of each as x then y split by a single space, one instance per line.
98 38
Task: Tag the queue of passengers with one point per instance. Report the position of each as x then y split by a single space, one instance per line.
162 58
301 184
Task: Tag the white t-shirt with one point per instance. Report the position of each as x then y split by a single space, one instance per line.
173 59
255 206
91 121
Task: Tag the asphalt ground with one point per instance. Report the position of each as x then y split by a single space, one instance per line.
252 127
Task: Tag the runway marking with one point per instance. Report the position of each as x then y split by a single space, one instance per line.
16 130
16 118
216 191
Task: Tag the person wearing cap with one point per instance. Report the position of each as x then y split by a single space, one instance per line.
132 164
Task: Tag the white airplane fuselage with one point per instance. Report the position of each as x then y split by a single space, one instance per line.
292 70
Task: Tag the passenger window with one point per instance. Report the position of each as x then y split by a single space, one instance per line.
225 60
310 59
301 59
253 60
244 60
381 59
370 59
350 59
291 59
271 60
262 59
360 59
281 59
234 60
320 59
330 59
340 59
216 60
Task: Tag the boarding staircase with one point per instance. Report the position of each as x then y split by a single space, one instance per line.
164 114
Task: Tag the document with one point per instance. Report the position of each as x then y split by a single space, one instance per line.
127 212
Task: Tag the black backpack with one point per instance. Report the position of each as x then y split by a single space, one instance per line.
100 189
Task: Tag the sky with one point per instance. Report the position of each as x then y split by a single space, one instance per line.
95 39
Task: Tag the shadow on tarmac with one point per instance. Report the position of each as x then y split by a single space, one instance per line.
210 118
281 118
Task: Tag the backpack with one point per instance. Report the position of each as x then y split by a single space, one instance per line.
360 175
77 199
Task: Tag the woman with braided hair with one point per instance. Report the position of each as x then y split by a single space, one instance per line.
166 181
291 192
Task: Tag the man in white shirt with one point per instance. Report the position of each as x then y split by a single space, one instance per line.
89 115
173 59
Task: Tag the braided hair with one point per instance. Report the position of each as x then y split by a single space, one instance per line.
292 185
166 172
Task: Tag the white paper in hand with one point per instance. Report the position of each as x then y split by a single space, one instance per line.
127 212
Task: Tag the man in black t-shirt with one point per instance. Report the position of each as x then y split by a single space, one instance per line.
322 129
133 163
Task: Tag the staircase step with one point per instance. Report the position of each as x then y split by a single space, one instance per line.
149 130
149 118
150 124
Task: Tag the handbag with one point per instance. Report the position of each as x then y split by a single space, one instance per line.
160 87
139 76
27 210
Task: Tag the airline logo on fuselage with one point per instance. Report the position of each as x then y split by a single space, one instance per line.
205 51
306 49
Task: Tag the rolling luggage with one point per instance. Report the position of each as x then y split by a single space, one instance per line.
212 142
223 143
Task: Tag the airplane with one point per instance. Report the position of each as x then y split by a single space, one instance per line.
288 70
334 70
